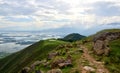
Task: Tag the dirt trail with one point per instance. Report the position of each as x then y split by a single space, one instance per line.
99 65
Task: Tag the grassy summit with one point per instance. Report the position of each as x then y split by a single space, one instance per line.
73 37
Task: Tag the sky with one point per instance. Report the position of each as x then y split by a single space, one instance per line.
34 15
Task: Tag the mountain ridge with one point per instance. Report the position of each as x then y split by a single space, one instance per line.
66 56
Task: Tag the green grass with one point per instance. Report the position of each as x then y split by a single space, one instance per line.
113 60
67 69
110 30
90 38
3 54
38 51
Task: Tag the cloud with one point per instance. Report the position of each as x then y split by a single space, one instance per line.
15 8
18 18
106 9
47 14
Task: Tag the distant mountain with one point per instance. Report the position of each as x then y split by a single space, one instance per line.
73 37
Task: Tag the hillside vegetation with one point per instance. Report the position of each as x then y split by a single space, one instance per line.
58 56
73 37
15 62
111 61
3 54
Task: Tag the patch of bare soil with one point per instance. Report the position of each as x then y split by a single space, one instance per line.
100 68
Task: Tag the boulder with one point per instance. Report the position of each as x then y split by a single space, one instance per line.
107 36
25 70
101 71
89 69
60 63
35 64
57 62
100 42
99 47
55 71
66 63
52 55
46 64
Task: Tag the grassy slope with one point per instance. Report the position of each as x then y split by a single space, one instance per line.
37 51
63 54
3 54
109 30
112 62
15 62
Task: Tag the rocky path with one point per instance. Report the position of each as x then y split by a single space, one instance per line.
98 65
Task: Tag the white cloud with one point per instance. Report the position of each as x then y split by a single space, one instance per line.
44 14
108 20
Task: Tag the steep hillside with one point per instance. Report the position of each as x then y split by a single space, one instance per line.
15 62
112 61
107 43
3 54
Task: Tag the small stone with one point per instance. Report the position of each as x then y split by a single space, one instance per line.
52 55
88 68
55 71
101 70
